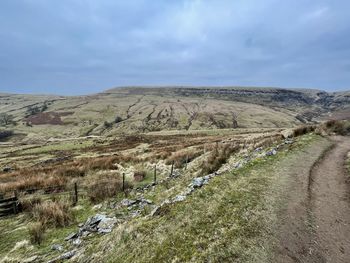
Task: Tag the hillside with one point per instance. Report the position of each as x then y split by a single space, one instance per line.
141 109
174 175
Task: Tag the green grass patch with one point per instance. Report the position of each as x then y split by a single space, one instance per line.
14 231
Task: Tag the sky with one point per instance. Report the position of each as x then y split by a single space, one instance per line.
72 47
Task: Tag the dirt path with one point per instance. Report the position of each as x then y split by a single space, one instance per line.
315 224
330 204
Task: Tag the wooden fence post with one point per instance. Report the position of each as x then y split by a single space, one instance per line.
172 169
75 193
155 174
124 182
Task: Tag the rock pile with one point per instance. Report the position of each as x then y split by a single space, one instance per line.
96 224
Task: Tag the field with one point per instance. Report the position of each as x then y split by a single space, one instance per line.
135 176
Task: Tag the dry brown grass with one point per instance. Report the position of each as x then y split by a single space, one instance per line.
52 213
33 181
101 186
36 232
336 126
139 175
59 175
303 130
181 157
27 204
266 141
218 156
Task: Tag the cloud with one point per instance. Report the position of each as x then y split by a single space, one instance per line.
83 46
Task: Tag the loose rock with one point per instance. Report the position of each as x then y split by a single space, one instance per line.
57 247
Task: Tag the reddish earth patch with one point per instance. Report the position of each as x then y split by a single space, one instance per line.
53 118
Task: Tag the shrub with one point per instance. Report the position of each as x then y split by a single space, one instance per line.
107 125
36 232
6 119
118 119
5 134
53 213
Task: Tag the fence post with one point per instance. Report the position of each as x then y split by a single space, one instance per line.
155 174
75 193
124 182
172 169
186 162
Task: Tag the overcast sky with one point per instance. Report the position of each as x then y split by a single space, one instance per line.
86 46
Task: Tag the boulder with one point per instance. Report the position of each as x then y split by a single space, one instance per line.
106 225
197 182
77 242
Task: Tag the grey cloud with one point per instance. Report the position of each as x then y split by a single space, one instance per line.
84 46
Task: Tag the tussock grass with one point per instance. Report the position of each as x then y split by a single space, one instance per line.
139 175
52 213
59 175
218 156
336 126
299 131
180 157
266 141
103 185
36 232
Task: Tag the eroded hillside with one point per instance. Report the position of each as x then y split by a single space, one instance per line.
136 109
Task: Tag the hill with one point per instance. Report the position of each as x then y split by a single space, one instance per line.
149 109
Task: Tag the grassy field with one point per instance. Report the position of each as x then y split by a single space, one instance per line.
93 161
232 219
227 219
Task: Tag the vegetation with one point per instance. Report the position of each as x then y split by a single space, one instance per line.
5 134
32 110
218 157
6 119
303 130
103 185
36 232
337 127
52 213
228 219
180 158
